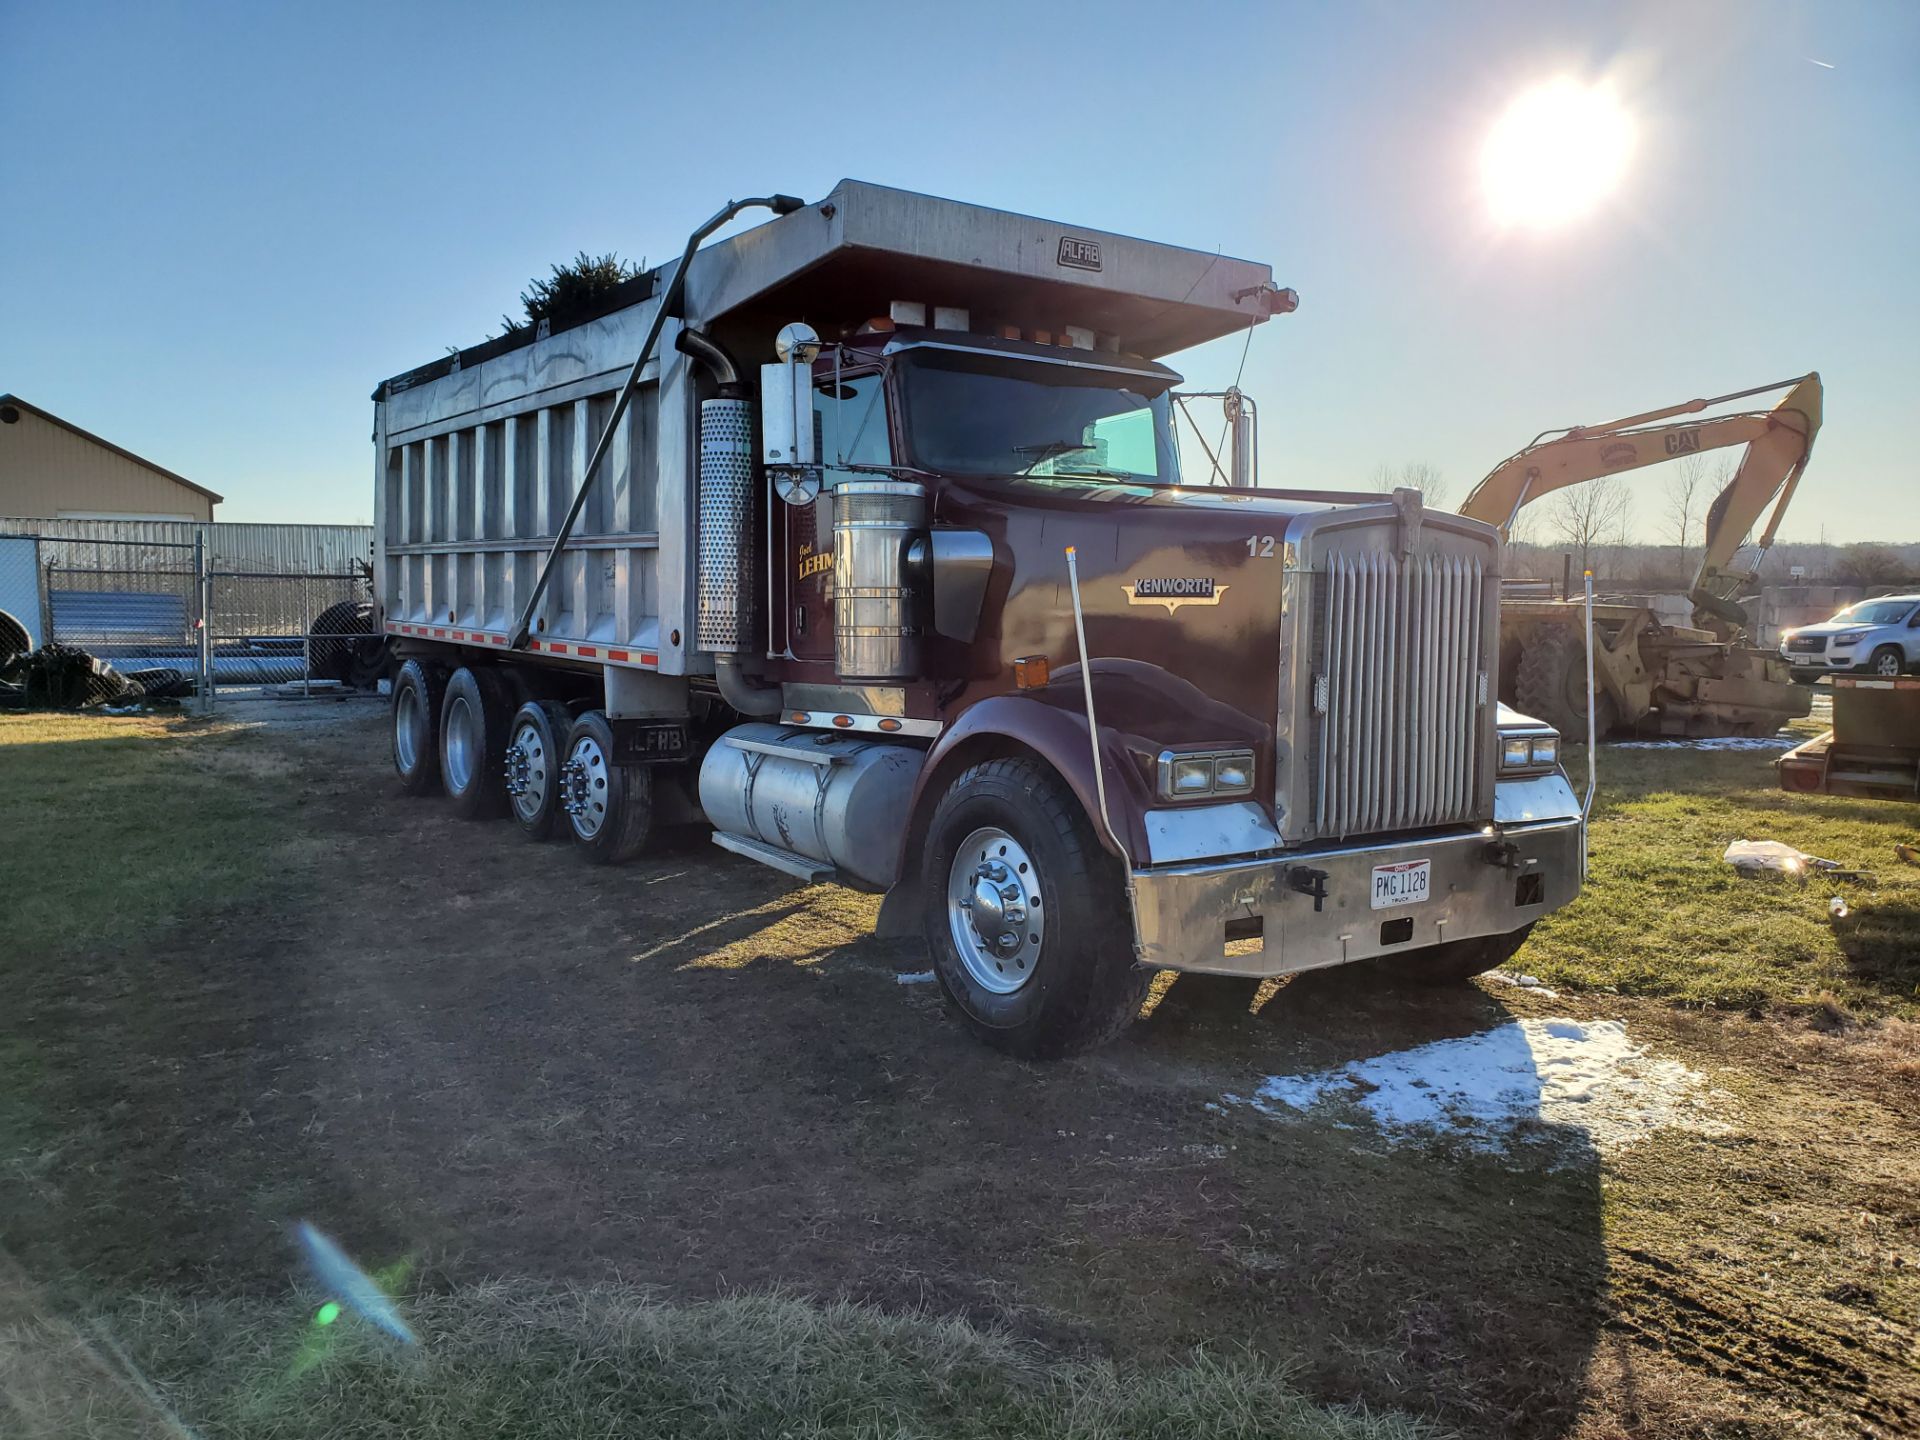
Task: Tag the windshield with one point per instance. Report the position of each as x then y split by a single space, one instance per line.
973 415
1876 612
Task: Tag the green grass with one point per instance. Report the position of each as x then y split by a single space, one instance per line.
529 1361
1663 915
121 826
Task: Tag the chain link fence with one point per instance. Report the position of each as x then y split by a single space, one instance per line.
102 622
278 629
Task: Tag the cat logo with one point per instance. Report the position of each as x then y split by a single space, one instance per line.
1175 591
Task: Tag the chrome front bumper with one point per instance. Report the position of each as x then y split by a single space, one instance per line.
1205 917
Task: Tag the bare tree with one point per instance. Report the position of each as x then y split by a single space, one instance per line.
1869 564
1687 499
1591 517
1421 475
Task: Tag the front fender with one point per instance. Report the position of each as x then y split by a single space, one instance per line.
1056 735
1011 725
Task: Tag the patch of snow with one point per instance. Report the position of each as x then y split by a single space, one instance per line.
1582 1079
915 977
1525 982
1709 742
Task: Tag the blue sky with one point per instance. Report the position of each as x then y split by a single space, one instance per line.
222 225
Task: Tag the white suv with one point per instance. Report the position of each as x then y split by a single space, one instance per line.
1880 636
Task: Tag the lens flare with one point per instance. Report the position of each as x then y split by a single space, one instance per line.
1558 152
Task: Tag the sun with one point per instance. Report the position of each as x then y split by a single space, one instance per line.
1559 150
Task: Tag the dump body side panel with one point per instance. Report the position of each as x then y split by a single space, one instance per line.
477 469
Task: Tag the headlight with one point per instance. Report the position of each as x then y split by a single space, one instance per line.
1192 777
1233 774
1528 752
1194 774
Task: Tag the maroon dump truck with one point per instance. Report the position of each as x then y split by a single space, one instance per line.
862 536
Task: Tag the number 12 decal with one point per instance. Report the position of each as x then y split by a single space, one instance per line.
1260 545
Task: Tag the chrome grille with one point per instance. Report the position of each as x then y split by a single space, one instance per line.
1398 691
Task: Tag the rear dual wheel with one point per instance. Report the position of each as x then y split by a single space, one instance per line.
607 806
418 693
474 717
536 750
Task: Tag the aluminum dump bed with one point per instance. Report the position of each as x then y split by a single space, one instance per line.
478 455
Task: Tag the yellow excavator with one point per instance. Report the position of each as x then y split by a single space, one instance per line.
1658 679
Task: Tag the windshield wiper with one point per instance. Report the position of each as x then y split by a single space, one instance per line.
1043 453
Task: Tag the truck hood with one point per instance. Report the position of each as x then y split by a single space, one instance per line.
1834 627
1207 595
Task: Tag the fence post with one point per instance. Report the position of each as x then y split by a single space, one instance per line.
306 637
43 576
203 578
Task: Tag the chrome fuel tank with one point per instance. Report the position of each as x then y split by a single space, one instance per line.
838 799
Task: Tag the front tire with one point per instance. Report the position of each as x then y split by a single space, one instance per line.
1024 914
1889 661
609 807
418 691
1455 962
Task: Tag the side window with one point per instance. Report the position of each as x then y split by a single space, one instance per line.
1124 442
850 428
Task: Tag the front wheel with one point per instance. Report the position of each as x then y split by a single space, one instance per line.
1453 963
1888 660
1024 914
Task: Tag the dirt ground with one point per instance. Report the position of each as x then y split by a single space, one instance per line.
445 1043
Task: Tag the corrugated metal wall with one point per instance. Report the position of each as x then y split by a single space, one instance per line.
232 547
48 468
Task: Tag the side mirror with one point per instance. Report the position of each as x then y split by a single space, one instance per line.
786 416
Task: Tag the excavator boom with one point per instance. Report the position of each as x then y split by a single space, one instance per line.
1710 680
1778 443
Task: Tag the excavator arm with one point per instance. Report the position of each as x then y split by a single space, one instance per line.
1778 443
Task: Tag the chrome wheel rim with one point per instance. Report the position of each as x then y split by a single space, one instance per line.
408 727
528 766
463 744
993 910
586 787
1887 665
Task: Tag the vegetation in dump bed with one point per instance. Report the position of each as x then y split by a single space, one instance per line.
572 290
1663 915
528 1361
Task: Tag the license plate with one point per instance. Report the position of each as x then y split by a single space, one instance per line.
1403 884
642 742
